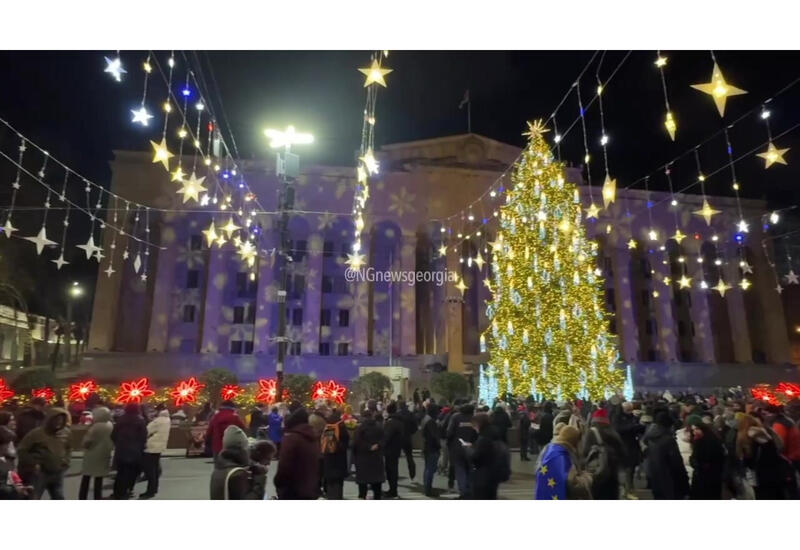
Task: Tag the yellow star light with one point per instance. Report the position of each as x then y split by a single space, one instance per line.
221 240
479 261
707 212
161 153
178 174
535 128
247 252
192 188
721 287
370 163
684 281
230 227
609 191
592 211
211 234
355 261
667 281
361 174
773 155
745 284
718 89
461 286
661 61
375 74
631 244
670 125
442 251
678 236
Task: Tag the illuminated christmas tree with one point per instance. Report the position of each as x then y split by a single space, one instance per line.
548 330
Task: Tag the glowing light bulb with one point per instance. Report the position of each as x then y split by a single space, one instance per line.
167 107
661 61
182 133
774 218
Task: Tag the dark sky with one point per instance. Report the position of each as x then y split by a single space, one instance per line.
65 102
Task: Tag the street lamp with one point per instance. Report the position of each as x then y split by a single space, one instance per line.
287 166
74 292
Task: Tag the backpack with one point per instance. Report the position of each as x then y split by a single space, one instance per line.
330 438
597 461
502 461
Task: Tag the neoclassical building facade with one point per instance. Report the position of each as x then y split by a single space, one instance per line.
200 307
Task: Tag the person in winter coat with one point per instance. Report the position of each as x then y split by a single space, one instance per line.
484 458
97 449
545 431
409 428
226 416
130 437
334 442
757 450
368 455
298 473
461 429
157 438
708 461
44 455
30 417
11 486
605 483
559 475
630 430
275 427
258 419
524 433
663 465
501 422
235 476
789 434
431 446
393 440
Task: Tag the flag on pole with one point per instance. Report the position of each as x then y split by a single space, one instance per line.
465 100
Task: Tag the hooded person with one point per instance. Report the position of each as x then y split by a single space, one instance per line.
30 417
663 465
157 438
44 455
559 476
235 476
758 450
130 437
97 449
298 473
226 416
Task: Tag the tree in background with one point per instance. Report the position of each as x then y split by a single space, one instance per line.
299 386
215 379
370 386
548 332
449 385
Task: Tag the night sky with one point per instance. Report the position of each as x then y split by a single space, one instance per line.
65 103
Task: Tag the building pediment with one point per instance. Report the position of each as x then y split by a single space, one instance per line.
460 151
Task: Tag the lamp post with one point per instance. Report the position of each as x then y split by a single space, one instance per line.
287 166
74 292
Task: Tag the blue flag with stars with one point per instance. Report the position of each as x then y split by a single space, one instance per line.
551 477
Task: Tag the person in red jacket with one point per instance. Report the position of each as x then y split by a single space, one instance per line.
226 416
789 433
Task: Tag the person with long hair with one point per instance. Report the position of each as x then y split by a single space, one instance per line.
758 451
708 460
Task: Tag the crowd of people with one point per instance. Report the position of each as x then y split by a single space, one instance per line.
686 446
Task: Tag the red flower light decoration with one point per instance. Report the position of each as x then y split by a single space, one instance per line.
134 391
791 391
765 395
267 390
82 390
45 393
5 391
186 391
331 390
231 391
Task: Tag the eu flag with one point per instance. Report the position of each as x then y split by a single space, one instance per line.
551 477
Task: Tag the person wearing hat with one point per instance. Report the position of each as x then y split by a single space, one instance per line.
129 436
235 476
298 472
708 460
558 476
601 439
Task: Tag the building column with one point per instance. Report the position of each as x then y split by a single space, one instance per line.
212 303
626 321
408 301
776 337
360 313
107 295
265 297
701 318
667 335
158 332
312 301
454 305
740 334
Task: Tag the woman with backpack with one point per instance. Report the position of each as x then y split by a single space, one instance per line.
334 442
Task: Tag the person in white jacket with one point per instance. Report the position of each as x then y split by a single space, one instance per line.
157 437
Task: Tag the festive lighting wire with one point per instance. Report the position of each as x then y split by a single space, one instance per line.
669 123
586 157
734 181
8 228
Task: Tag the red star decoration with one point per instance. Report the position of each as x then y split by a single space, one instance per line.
231 391
5 391
186 391
134 391
80 391
765 395
788 389
267 390
45 393
331 390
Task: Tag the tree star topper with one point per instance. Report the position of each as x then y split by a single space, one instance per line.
375 74
718 89
535 128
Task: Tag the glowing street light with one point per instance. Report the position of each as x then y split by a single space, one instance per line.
287 138
75 290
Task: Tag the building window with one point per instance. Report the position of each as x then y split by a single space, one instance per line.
236 346
341 348
681 328
645 266
346 249
196 242
296 286
327 249
188 313
238 315
250 313
608 267
612 326
645 297
344 317
324 348
648 327
297 316
245 288
610 299
192 278
340 285
327 284
651 355
299 250
289 198
248 347
295 348
325 318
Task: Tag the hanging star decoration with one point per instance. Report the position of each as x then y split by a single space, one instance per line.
743 226
706 212
791 277
479 261
773 155
461 286
355 261
667 280
177 174
161 153
592 211
442 251
779 288
211 234
192 188
109 270
230 227
141 116
370 162
678 236
718 89
89 248
684 281
631 244
721 287
375 74
40 240
609 191
114 68
60 261
745 284
670 125
8 228
247 253
746 267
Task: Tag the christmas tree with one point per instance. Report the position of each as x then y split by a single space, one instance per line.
548 328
